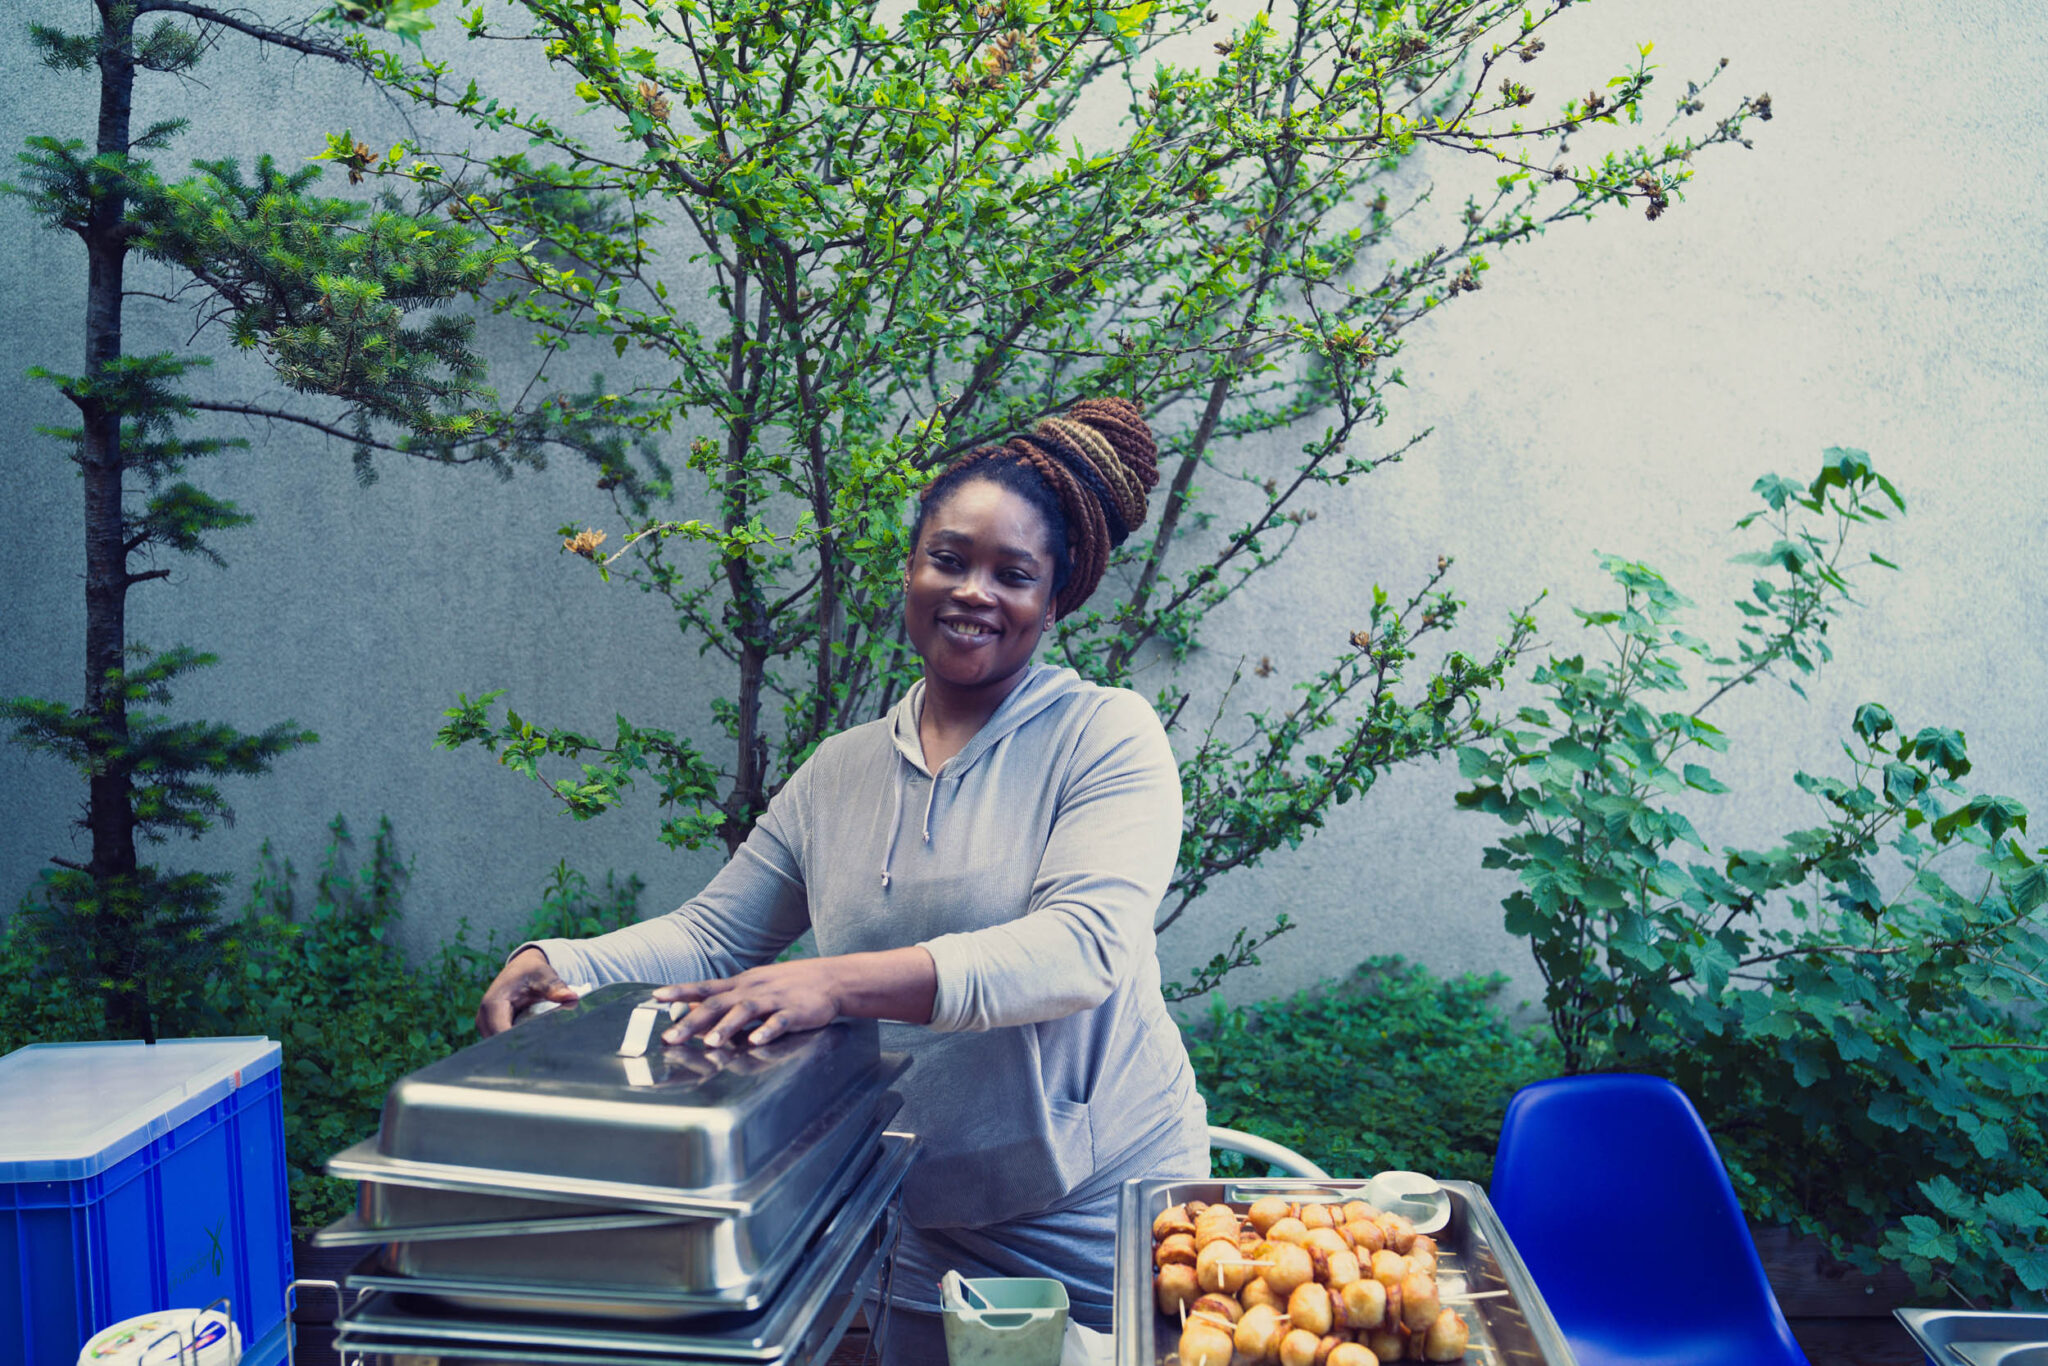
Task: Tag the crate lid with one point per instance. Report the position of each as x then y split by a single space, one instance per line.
74 1109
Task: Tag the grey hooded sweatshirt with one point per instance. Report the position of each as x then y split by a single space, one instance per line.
1030 866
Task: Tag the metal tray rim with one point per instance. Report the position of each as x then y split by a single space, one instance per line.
350 1230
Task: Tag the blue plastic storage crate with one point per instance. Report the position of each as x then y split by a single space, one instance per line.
136 1177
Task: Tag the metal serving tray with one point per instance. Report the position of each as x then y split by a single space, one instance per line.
826 1331
1978 1337
1473 1251
553 1098
398 1192
684 1266
834 1271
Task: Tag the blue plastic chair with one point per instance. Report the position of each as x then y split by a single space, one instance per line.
1613 1194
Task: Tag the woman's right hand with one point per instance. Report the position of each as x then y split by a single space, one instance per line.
526 980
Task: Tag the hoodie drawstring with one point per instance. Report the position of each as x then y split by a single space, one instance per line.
896 820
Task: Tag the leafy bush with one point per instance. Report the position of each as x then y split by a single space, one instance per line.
1392 1069
1852 1007
329 983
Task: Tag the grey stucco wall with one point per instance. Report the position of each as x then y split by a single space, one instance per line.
1870 274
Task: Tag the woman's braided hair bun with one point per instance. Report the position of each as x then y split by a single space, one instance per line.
1099 460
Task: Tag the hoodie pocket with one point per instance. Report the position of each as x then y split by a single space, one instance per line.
1073 1142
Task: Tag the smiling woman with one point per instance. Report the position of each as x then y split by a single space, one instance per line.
983 865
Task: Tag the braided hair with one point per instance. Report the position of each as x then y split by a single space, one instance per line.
1087 470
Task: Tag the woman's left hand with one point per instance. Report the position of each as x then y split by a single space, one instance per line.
766 1002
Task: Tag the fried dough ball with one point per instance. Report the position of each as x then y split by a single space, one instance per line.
1288 1230
1317 1216
1419 1302
1328 1239
1204 1343
1176 1288
1350 1354
1364 1302
1366 1236
1356 1211
1267 1212
1289 1266
1309 1307
1424 1262
1175 1247
1220 1266
1387 1345
1195 1207
1220 1306
1328 1343
1400 1232
1423 1243
1256 1292
1217 1225
1298 1348
1340 1269
1171 1220
1389 1267
1446 1338
1259 1332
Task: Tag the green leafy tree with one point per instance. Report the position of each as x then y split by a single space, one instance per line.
1855 1006
907 246
334 293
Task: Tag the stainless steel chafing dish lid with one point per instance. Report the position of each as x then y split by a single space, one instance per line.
553 1098
841 1259
846 1115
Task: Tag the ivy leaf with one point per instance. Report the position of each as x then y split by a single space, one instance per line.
1946 1196
2024 1209
1924 1238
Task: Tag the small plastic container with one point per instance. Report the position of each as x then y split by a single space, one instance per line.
1025 1323
170 1337
138 1178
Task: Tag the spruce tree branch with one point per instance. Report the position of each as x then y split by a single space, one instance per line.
328 429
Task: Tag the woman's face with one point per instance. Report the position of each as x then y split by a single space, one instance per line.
980 586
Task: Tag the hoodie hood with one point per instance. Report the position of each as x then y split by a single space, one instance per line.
1041 686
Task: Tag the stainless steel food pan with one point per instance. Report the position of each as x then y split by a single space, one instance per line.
1474 1255
814 1348
1977 1337
730 1263
399 1192
833 1267
553 1098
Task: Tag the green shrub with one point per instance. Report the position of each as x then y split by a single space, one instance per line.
1393 1069
325 978
1854 1006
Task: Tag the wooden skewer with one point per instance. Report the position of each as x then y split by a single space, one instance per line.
1466 1297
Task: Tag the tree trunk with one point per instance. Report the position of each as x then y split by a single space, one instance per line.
110 812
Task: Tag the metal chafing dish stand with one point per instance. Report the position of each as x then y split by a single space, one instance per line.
540 1196
1473 1251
